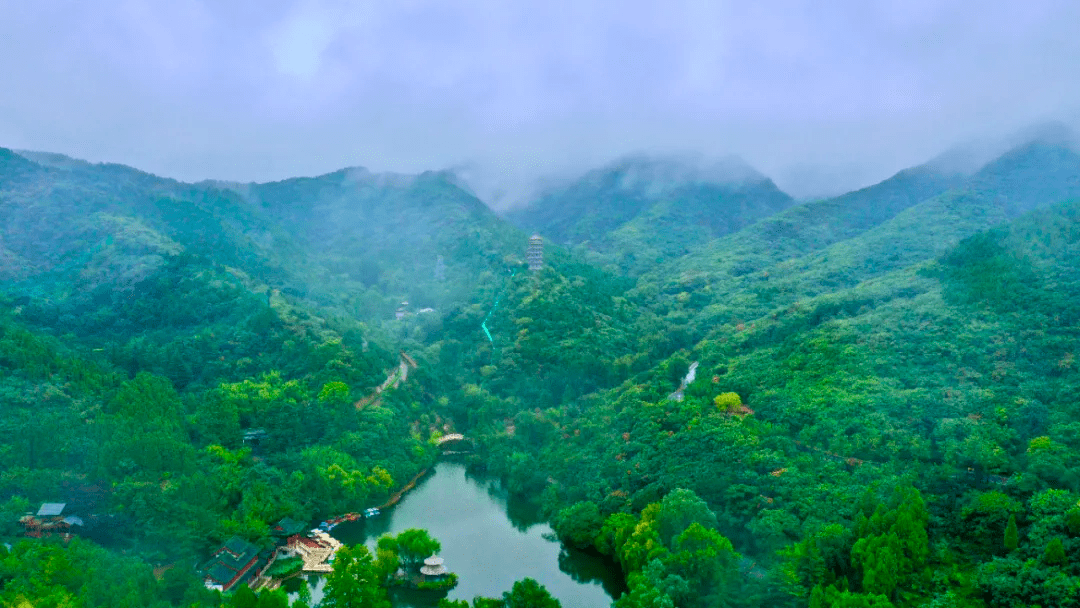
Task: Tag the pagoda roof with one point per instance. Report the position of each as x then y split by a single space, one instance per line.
238 546
287 526
221 574
231 562
433 561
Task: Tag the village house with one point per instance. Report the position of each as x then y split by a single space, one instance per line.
51 518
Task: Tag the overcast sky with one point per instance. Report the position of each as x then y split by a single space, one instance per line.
819 95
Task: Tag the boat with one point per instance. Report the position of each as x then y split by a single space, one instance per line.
372 512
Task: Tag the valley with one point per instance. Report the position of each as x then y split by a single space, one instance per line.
722 396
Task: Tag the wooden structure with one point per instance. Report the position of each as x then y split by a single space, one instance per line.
316 550
535 253
50 519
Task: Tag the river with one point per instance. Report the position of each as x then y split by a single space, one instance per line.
489 540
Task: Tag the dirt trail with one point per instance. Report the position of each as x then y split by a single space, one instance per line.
394 379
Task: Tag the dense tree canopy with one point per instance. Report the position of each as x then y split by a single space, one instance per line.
860 401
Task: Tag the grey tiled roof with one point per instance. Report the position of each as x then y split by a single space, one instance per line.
51 509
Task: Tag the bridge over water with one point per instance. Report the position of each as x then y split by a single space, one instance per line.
453 437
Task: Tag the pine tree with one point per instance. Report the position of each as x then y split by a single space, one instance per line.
1012 535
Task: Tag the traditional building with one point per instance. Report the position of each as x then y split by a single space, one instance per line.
317 550
51 519
287 527
433 568
535 253
235 562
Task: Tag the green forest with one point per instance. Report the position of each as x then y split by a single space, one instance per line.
739 399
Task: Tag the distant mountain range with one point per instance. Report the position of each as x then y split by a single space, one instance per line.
364 242
350 238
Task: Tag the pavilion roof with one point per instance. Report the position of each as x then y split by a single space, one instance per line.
288 526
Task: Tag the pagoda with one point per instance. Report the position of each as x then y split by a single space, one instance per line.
535 253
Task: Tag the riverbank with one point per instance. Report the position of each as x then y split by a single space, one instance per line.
397 495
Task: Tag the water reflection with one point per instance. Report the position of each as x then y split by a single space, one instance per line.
591 569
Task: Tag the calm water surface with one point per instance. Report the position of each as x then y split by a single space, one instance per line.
488 540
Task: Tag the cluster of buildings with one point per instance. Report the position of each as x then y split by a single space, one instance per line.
238 561
51 519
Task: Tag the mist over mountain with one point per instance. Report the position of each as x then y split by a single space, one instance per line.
642 208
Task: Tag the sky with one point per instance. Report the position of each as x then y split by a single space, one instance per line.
822 96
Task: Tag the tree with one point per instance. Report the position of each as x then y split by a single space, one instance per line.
243 597
412 546
879 558
304 596
273 599
831 597
678 510
727 402
579 524
335 392
1012 535
354 582
616 530
1055 552
528 593
1072 521
707 560
218 421
641 594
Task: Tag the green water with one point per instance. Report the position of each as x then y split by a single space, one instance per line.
488 540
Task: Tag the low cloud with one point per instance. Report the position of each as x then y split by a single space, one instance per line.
822 97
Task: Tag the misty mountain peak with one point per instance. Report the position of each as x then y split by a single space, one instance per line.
655 175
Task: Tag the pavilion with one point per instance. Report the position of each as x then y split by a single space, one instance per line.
433 568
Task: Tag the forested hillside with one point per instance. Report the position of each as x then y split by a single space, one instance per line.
861 401
865 430
636 213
